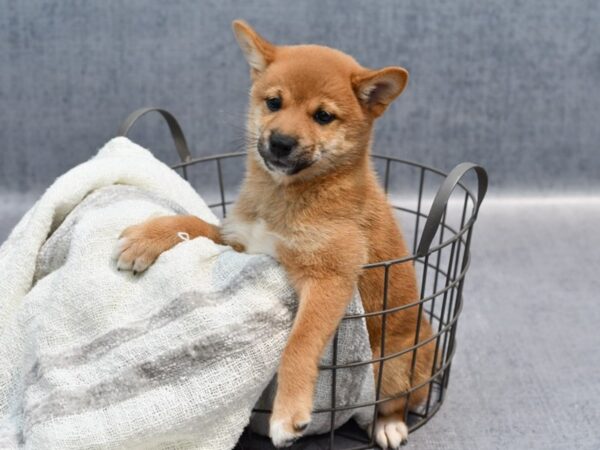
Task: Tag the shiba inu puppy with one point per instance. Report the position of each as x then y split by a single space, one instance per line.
311 199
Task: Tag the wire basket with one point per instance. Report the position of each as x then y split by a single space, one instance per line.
437 217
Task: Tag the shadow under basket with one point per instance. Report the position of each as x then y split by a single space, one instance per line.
437 212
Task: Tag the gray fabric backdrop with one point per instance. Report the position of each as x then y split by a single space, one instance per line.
506 83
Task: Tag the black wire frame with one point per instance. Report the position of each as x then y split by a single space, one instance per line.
443 263
442 306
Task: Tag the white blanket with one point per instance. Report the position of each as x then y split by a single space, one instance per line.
175 358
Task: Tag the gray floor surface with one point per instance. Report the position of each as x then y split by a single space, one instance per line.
525 375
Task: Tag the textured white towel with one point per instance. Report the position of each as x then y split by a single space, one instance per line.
175 358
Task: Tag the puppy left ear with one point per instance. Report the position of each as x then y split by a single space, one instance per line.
376 89
258 51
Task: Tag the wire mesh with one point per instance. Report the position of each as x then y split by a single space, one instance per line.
441 270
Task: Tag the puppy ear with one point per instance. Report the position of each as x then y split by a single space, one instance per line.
376 89
258 51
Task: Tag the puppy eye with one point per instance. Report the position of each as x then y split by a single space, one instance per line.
274 103
323 117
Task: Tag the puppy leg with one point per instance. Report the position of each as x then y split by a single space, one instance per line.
140 245
322 305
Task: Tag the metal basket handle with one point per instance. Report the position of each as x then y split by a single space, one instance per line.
176 132
436 212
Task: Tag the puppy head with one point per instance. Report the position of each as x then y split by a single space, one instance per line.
311 107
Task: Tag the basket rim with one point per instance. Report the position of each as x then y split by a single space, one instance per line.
457 235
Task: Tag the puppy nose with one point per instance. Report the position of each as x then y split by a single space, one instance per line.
281 145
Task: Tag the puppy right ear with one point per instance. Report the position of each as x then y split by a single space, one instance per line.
258 51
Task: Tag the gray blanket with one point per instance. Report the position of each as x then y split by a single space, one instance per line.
176 358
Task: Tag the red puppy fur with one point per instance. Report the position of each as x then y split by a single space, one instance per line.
311 199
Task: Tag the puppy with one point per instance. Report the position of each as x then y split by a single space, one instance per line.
311 199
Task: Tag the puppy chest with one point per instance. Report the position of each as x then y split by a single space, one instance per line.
255 236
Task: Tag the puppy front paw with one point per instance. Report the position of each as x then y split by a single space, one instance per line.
140 245
286 428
